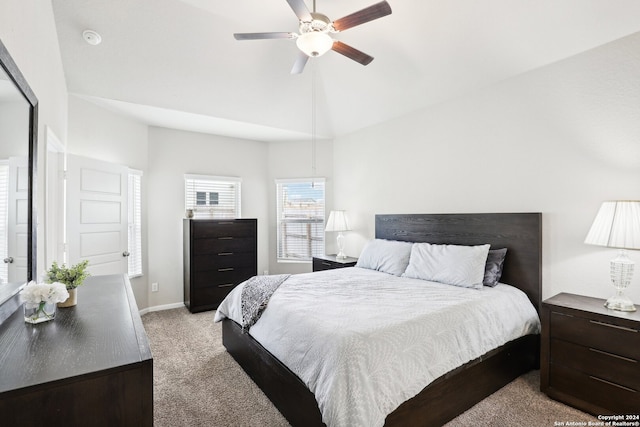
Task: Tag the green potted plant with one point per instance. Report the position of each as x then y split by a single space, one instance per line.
71 277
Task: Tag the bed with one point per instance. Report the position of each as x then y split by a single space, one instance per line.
456 390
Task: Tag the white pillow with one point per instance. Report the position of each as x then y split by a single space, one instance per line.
450 264
388 256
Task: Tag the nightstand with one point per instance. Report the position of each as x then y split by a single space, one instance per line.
590 355
329 262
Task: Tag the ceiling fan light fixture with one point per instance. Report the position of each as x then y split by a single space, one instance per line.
314 43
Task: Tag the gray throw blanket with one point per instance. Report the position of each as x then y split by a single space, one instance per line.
256 293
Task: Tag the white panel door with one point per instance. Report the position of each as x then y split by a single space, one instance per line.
97 214
18 218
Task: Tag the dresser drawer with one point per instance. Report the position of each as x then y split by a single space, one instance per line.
223 277
222 262
617 399
236 228
224 244
619 340
601 364
212 295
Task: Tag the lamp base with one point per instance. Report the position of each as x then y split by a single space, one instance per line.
620 302
621 268
340 241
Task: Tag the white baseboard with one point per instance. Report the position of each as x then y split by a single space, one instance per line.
161 307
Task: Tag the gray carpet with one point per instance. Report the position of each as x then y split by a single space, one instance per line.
196 383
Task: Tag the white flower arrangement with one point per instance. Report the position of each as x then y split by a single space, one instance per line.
35 295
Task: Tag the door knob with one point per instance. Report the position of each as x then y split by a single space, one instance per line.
8 260
125 254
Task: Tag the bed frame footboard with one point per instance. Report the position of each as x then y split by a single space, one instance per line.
439 402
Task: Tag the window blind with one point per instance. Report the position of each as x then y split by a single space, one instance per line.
135 223
4 220
300 216
212 196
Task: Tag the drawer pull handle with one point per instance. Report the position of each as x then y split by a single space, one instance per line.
595 350
613 384
225 238
227 285
225 253
326 263
226 269
613 326
225 223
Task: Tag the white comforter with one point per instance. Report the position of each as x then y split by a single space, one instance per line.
364 342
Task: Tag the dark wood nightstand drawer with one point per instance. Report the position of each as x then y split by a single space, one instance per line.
620 340
329 262
590 388
597 363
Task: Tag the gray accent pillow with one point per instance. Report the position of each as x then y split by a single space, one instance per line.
493 268
449 264
388 256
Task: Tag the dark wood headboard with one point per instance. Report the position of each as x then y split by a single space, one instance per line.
520 233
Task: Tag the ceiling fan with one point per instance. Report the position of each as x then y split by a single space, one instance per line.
315 29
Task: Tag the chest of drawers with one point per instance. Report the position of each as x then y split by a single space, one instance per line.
590 355
218 255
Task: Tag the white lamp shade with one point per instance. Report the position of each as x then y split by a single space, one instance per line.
617 225
314 43
337 221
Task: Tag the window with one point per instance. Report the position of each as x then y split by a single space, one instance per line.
300 225
135 223
4 215
212 196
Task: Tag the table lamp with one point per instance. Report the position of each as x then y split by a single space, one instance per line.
617 225
338 222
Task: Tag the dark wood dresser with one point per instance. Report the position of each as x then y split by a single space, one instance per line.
330 262
218 255
590 355
91 365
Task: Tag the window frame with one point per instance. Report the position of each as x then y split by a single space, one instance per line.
208 210
320 219
134 224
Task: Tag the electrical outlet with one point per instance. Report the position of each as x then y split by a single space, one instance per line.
154 287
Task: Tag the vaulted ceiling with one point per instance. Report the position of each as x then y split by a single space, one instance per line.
175 63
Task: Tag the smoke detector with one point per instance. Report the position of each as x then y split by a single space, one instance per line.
91 37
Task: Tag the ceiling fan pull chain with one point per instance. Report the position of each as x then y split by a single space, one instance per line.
313 119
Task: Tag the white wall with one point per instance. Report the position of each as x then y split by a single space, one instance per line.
558 140
28 31
100 134
173 153
294 160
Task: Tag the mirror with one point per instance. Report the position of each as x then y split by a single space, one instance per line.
18 153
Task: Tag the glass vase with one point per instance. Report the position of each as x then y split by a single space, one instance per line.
38 313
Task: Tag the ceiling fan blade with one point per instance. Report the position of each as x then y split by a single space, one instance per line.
301 61
352 53
261 36
367 14
300 9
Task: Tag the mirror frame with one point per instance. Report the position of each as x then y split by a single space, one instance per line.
10 67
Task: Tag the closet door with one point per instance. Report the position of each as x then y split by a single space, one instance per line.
97 214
